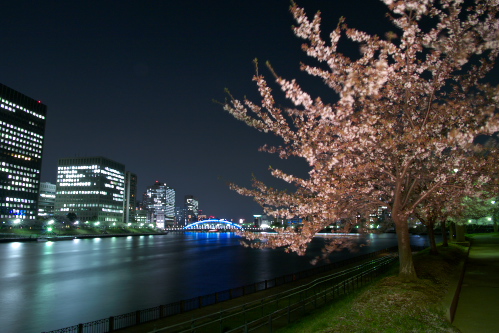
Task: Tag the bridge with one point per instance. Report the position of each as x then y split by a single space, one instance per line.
213 224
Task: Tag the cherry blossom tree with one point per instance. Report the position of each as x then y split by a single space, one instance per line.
407 111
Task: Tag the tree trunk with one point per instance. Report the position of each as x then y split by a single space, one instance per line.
445 241
431 237
460 231
406 270
495 225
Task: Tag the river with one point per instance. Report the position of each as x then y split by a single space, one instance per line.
51 285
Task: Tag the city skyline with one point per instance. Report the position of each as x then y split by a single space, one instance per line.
135 81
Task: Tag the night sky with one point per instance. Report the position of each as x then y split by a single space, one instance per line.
135 81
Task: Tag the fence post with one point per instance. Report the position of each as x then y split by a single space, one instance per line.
80 328
111 324
161 311
137 317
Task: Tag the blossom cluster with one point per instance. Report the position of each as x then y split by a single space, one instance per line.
408 112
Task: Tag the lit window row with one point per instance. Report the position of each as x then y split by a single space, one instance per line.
78 167
16 135
23 200
21 152
14 183
19 188
72 175
83 192
22 132
120 211
15 216
26 179
75 184
13 106
17 205
24 170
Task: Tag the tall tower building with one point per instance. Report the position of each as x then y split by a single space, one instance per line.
22 130
192 208
91 187
159 201
130 197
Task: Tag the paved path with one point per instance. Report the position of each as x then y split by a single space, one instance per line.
478 306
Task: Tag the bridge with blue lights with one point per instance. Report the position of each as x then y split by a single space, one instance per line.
213 224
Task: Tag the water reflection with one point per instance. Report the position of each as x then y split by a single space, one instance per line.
64 283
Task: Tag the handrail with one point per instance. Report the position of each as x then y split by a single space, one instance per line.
240 309
171 309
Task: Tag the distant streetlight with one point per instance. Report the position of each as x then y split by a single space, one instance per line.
51 222
17 221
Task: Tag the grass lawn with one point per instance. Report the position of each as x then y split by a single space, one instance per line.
390 305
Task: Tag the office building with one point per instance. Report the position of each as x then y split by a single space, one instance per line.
46 200
159 202
189 212
91 187
130 197
192 208
22 130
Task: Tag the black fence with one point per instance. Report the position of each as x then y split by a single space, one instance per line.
142 316
278 310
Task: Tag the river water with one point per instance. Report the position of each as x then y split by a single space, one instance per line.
52 285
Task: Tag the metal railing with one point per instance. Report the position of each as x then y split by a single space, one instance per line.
279 309
142 316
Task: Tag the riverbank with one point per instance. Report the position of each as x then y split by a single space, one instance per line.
426 305
33 235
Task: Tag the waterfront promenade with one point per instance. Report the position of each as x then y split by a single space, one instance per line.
478 306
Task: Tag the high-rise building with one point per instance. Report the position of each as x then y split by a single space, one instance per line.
22 130
46 200
159 202
192 208
189 212
91 187
130 197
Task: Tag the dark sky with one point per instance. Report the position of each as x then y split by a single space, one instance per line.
134 81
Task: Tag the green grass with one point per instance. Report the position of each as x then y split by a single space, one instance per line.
481 235
391 305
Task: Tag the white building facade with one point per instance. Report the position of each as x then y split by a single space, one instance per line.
159 202
91 187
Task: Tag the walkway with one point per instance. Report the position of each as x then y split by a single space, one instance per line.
478 306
